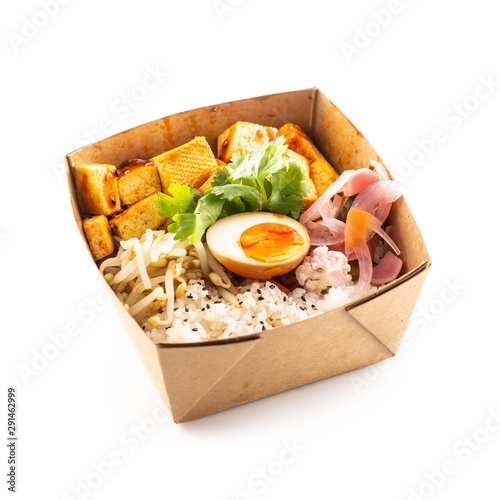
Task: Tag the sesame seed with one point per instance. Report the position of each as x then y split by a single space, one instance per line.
261 322
202 309
263 328
208 306
272 286
209 297
185 319
195 329
259 291
176 309
186 309
303 298
284 298
261 298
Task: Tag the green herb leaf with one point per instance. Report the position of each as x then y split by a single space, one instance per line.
249 195
222 177
181 200
289 186
192 226
258 166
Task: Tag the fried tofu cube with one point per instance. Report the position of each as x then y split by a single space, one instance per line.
190 164
243 137
312 196
137 182
133 222
207 184
299 142
322 174
97 189
99 236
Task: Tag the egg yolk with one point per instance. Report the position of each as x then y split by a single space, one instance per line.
271 242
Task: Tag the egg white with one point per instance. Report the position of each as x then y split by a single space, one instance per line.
223 240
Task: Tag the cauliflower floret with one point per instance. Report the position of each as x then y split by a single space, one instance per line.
321 269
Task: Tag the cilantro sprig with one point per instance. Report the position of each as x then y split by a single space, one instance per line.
265 181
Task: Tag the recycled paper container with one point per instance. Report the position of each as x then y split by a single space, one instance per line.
199 379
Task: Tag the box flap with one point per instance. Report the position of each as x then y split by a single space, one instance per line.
193 370
286 357
386 314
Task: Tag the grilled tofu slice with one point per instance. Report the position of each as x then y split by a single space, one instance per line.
133 222
322 174
97 189
320 171
136 182
299 142
190 164
243 137
99 236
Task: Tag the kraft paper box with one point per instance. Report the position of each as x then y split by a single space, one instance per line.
199 379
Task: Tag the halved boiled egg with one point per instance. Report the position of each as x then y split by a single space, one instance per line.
258 245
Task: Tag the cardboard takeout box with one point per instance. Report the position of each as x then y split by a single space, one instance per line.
199 379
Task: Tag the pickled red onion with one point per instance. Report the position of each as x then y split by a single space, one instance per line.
378 194
387 269
361 179
365 270
380 169
388 240
331 209
328 232
333 189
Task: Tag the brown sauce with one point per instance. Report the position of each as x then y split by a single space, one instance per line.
131 165
109 187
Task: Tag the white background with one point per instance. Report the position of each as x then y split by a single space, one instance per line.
380 432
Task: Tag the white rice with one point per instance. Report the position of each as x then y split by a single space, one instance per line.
202 314
203 311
